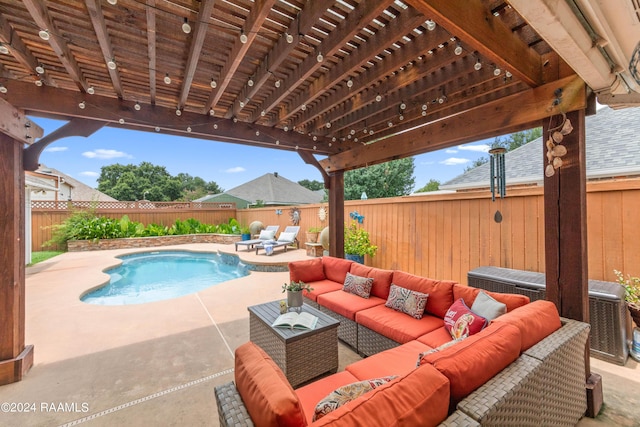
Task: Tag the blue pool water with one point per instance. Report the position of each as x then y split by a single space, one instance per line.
156 276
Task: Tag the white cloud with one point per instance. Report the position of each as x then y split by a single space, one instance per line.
454 161
236 169
90 174
56 149
427 163
101 153
480 148
451 151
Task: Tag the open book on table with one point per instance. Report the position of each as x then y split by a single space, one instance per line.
295 320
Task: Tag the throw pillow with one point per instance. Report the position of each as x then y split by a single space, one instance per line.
267 235
346 394
287 237
437 349
357 285
460 321
407 301
488 307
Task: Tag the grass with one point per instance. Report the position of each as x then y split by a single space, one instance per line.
37 257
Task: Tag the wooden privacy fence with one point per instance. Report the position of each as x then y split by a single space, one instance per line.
45 214
446 235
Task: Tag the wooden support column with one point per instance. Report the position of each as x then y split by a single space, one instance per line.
565 206
15 358
336 214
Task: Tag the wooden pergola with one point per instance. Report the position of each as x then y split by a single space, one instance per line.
344 83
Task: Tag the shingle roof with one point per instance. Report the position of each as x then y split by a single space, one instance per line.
612 147
274 189
81 191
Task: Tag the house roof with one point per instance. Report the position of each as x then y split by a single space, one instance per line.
274 189
612 148
33 183
81 191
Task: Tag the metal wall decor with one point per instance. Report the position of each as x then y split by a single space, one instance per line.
294 214
498 173
356 216
555 150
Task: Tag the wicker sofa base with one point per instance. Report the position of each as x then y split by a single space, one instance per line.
371 342
348 329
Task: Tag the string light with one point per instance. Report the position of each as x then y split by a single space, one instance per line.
403 106
328 125
157 129
186 27
508 74
91 90
167 79
497 71
289 38
82 105
277 83
378 98
458 49
243 37
263 113
112 2
478 65
250 82
303 107
112 64
213 83
431 25
137 106
38 82
3 89
319 58
349 83
44 34
211 112
121 121
4 49
40 69
188 128
178 112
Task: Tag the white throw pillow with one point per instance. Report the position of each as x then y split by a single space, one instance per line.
267 235
287 237
488 307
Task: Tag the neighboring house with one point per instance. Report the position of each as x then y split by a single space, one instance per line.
270 189
612 148
66 187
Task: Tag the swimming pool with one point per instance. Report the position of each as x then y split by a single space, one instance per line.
160 275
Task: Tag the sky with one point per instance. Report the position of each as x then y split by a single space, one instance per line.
229 165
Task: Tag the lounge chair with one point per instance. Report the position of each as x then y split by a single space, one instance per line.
288 237
268 233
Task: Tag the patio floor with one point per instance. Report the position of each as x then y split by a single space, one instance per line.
157 363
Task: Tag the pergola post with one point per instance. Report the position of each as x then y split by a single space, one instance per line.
566 258
15 358
336 214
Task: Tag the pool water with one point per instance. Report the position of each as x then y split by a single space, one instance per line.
156 276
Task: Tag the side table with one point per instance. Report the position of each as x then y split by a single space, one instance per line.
314 249
301 354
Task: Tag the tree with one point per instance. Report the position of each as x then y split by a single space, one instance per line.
391 179
432 185
150 182
312 185
513 141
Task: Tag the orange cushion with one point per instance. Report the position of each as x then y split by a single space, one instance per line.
397 326
346 304
396 361
335 268
469 294
440 291
476 359
381 278
536 321
306 271
322 287
418 399
265 391
436 338
314 392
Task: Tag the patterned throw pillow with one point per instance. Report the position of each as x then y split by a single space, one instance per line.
357 285
407 301
346 394
437 349
460 321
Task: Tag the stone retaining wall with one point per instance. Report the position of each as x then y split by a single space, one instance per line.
149 242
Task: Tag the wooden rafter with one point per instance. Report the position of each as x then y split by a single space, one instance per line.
39 13
199 34
151 48
99 26
258 14
470 21
364 13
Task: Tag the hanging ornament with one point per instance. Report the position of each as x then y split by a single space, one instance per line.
498 182
555 150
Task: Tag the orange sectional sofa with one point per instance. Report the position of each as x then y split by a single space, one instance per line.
501 374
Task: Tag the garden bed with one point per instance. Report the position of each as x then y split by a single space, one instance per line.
149 242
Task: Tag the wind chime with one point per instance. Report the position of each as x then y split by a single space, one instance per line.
555 150
498 173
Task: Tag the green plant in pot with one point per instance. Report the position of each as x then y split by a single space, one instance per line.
294 293
357 243
245 233
312 234
631 287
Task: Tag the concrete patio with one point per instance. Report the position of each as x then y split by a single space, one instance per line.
157 363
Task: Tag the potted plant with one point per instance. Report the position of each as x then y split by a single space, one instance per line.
245 233
312 234
294 292
357 243
631 287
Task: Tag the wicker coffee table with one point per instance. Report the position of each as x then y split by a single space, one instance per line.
301 354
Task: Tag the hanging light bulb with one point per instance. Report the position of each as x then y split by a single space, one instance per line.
424 107
250 82
241 104
401 117
91 90
328 125
243 37
136 106
389 124
112 64
333 139
431 25
263 113
186 27
167 79
112 2
303 107
215 126
157 128
286 128
38 82
508 74
44 34
315 138
403 105
378 98
458 49
121 121
370 132
188 128
3 89
478 65
4 49
319 58
40 69
211 112
277 142
277 83
178 112
497 71
213 83
82 105
289 38
350 83
352 132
